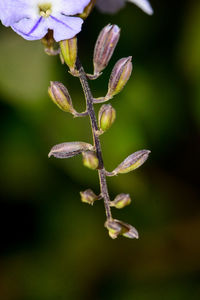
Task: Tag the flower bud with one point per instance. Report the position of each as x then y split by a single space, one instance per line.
116 228
69 52
107 115
119 76
90 160
60 96
105 46
70 149
132 233
121 201
132 162
88 196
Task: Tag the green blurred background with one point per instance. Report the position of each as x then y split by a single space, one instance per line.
52 245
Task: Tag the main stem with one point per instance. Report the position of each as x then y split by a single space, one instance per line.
96 140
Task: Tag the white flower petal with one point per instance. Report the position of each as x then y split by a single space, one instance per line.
69 7
110 6
12 11
64 27
144 5
31 29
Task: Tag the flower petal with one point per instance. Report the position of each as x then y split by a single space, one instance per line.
144 5
12 11
110 6
69 7
64 27
31 29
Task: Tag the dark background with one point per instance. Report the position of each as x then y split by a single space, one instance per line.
52 245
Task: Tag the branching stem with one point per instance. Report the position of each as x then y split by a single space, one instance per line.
96 140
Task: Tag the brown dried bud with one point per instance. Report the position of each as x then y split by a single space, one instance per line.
69 52
88 196
132 162
90 160
116 228
66 150
105 46
121 201
60 96
119 76
107 115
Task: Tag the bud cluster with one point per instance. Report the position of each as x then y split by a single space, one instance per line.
91 154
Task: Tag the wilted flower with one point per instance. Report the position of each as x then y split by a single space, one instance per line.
32 18
112 6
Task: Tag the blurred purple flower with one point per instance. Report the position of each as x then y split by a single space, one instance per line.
32 18
112 6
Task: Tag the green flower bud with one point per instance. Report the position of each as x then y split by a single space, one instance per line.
105 46
132 162
66 150
121 201
60 96
107 115
119 76
69 52
88 196
90 160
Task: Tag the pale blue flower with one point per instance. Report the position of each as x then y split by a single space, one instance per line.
32 18
112 6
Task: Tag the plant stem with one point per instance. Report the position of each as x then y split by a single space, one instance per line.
96 140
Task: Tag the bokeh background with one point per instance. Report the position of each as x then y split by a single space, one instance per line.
52 245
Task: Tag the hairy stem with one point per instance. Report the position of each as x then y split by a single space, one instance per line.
96 140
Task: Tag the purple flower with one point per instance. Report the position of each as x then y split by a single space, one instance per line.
32 18
112 6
